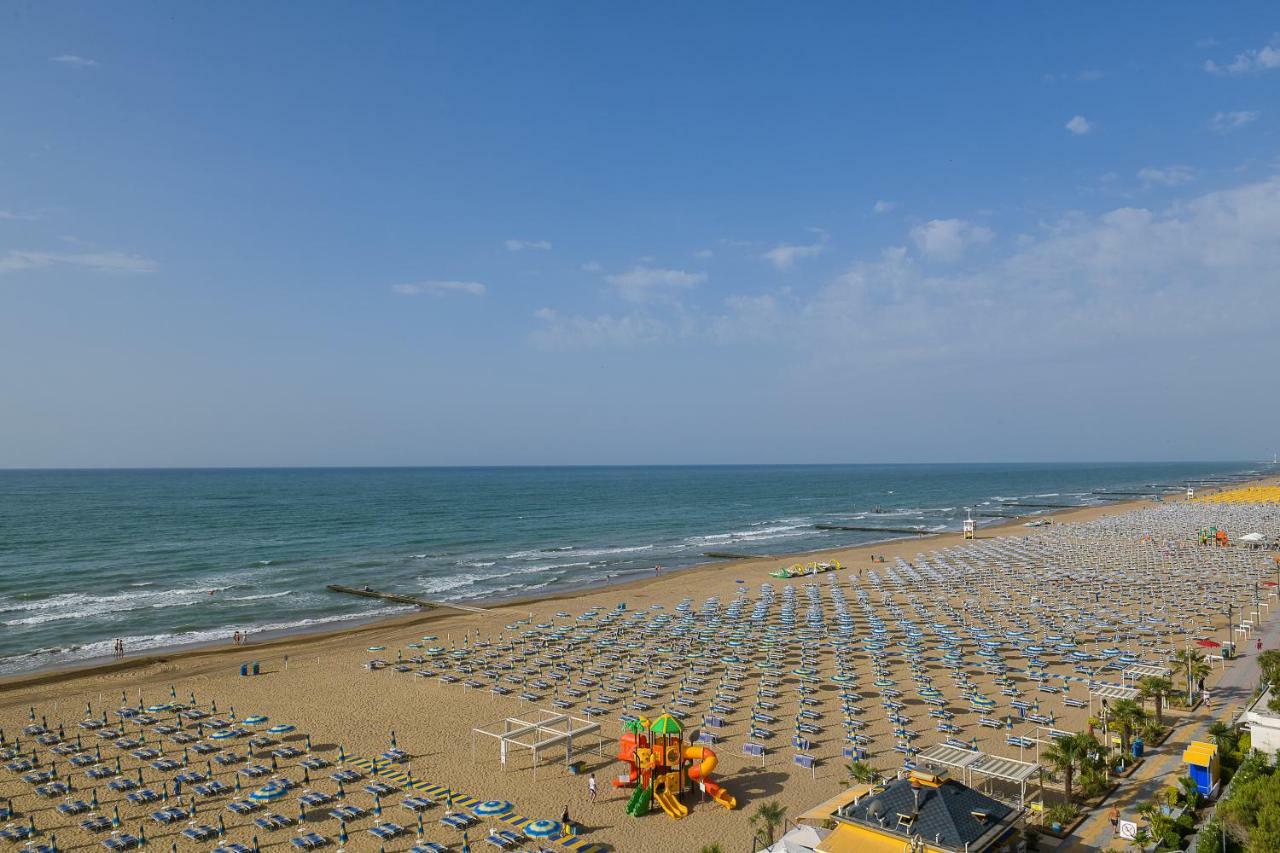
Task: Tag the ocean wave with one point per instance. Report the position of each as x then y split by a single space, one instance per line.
145 642
78 605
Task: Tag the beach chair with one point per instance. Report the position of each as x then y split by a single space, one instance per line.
417 803
200 832
309 841
243 807
97 823
347 813
123 841
272 821
459 820
429 847
386 831
232 848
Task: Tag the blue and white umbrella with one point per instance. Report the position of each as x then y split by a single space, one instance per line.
269 792
492 808
225 734
280 729
254 719
543 829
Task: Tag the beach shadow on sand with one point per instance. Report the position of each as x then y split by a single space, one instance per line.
757 784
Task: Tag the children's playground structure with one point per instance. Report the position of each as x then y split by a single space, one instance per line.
661 767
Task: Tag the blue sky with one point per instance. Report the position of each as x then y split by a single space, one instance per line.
442 233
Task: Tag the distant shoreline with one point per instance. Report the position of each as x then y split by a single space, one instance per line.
300 640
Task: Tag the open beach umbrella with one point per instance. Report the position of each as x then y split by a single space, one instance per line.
543 829
254 719
280 729
493 808
270 792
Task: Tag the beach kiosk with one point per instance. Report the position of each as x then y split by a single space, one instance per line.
1202 766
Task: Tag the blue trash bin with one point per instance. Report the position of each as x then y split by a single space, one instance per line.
255 667
244 669
1138 747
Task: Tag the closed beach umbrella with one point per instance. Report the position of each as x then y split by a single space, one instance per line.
342 831
543 829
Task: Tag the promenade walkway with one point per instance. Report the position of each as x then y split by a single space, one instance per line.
1164 764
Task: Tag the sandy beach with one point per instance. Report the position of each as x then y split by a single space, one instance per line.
321 685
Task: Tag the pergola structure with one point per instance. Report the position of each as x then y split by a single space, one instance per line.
971 761
1136 671
1110 692
549 729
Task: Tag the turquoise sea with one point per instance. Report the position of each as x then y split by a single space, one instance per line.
171 557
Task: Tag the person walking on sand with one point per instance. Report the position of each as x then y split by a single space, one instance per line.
237 638
565 821
1115 819
591 786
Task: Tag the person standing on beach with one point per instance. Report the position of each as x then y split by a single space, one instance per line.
565 821
591 786
237 638
1115 819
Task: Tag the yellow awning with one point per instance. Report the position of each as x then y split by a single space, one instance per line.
822 811
1199 753
857 839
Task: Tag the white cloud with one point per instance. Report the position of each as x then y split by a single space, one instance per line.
438 288
1170 177
557 332
1250 61
704 254
74 61
883 206
1079 125
18 217
649 284
109 262
531 245
1131 277
948 239
1229 121
784 255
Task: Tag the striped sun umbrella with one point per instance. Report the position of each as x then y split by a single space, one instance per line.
492 808
269 792
543 829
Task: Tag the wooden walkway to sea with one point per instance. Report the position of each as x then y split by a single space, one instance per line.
396 598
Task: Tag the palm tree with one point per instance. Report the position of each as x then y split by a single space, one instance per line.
861 773
1157 688
1223 735
771 815
1127 715
1190 791
1063 755
1191 661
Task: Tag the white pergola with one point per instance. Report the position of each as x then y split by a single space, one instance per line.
971 761
1111 692
1144 670
547 730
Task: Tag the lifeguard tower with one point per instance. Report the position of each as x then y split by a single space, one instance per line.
968 525
1191 492
1202 766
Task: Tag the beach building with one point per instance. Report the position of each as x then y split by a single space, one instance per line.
920 812
1263 724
